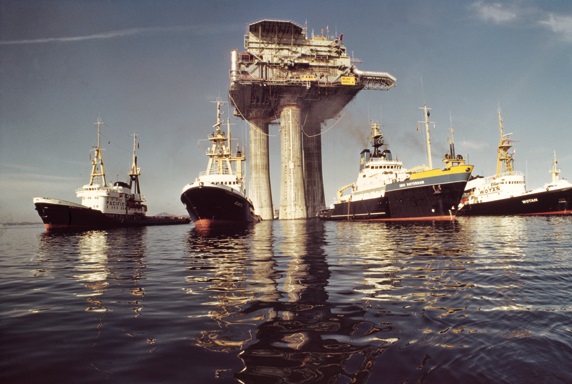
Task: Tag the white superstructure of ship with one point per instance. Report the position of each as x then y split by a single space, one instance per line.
218 197
102 205
117 199
505 193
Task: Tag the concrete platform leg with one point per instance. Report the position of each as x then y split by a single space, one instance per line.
313 178
292 192
259 188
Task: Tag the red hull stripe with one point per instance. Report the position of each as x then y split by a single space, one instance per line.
60 226
209 223
563 212
421 218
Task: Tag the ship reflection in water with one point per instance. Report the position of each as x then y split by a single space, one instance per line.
477 299
310 301
98 259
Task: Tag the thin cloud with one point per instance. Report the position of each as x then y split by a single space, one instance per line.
36 177
22 172
558 24
502 13
497 13
195 30
21 188
20 167
468 145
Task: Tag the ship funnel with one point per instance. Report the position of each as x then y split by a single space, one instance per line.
364 158
386 155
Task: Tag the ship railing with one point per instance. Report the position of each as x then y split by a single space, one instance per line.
94 188
396 163
490 179
215 172
307 82
419 168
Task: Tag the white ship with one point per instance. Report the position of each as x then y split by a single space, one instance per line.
102 205
505 192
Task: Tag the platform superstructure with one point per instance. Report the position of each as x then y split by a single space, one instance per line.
300 80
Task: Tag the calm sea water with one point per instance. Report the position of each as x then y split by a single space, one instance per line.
477 300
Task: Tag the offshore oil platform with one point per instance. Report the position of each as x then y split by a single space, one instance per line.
302 81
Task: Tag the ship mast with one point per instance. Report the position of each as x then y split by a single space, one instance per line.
219 152
554 171
452 158
135 171
97 168
452 138
505 160
221 159
426 115
376 138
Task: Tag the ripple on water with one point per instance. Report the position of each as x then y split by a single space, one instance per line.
475 300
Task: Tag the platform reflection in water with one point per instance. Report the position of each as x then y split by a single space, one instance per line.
299 301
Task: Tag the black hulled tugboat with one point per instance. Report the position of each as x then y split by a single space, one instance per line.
102 206
217 198
385 191
505 193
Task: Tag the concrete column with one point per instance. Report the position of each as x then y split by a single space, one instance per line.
292 192
313 179
259 188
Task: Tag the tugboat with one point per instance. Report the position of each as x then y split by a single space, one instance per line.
217 198
102 206
385 191
505 192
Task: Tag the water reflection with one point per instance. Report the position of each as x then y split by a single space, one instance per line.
311 301
504 246
98 259
301 301
499 235
268 297
307 338
394 257
217 265
413 282
92 268
232 230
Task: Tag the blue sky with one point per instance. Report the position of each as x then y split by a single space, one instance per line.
154 67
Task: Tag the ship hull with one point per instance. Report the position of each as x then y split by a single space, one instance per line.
551 202
59 215
213 206
423 199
